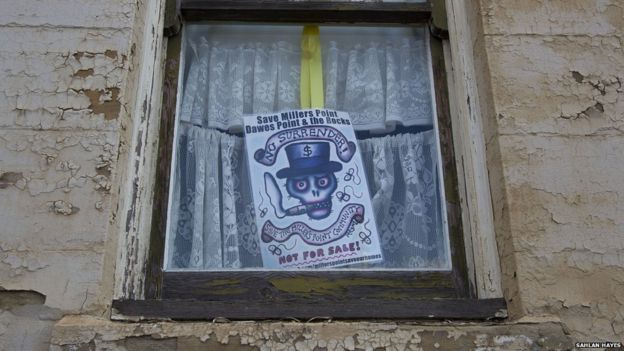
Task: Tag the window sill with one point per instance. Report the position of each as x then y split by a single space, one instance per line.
430 309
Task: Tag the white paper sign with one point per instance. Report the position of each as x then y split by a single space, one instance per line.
312 204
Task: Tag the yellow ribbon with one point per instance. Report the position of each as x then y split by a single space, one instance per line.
311 84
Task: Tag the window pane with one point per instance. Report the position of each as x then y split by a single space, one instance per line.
380 76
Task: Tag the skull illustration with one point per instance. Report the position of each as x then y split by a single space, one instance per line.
310 177
314 191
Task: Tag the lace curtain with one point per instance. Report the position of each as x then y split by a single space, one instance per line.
379 76
212 219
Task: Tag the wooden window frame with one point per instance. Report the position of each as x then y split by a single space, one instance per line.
307 294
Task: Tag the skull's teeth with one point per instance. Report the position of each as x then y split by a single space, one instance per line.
319 205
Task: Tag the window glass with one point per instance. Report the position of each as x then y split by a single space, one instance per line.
380 76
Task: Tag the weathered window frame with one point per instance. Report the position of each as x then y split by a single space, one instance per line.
341 294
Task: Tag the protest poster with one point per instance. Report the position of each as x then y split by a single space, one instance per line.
311 199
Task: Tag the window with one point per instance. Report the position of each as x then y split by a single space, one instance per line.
379 75
391 79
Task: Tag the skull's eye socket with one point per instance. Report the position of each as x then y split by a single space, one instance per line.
322 182
301 184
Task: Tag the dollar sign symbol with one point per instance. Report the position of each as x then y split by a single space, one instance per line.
307 151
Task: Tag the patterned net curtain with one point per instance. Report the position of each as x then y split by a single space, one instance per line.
379 75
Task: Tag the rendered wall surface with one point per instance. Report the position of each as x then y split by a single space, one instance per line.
550 77
63 67
557 74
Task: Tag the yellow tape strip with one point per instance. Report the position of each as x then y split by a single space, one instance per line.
311 83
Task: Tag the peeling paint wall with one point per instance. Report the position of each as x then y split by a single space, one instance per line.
550 76
556 71
304 336
63 68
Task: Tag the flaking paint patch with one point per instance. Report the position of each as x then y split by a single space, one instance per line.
104 102
83 73
61 207
19 263
573 86
276 336
10 178
69 173
60 90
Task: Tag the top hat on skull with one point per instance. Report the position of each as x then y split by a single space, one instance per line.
310 177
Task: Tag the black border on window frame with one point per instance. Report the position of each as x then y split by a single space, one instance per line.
239 295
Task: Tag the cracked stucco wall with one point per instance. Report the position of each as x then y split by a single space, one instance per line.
557 73
552 72
63 68
280 336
